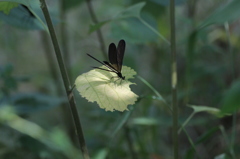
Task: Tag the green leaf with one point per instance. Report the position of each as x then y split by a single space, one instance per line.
144 121
132 11
22 18
24 2
221 156
140 33
211 110
207 135
53 140
110 93
224 14
5 7
68 4
101 154
28 15
34 102
93 28
231 100
166 3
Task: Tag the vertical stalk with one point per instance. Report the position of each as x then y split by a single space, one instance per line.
66 56
64 40
234 75
174 79
50 58
99 32
66 81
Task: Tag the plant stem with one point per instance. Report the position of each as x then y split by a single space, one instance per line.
186 122
50 58
191 142
230 51
122 122
66 81
156 92
174 79
227 141
154 30
64 40
182 127
99 32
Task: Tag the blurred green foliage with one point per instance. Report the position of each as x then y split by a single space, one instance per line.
5 7
35 121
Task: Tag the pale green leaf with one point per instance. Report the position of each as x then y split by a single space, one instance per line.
211 110
5 7
221 156
109 92
144 121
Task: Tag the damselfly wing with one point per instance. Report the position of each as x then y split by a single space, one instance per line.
115 56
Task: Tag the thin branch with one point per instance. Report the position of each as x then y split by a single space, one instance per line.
154 30
66 81
234 75
64 40
99 32
174 79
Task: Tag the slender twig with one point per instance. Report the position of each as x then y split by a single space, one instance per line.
228 143
66 81
66 117
174 79
156 92
186 122
99 32
230 50
182 126
64 40
154 30
66 56
231 53
50 59
191 142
